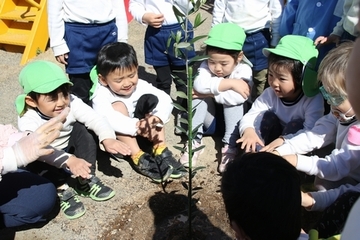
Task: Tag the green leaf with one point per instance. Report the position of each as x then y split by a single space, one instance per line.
181 129
178 36
198 168
194 132
183 45
168 42
181 149
177 12
198 58
195 39
183 120
185 185
181 94
179 107
199 148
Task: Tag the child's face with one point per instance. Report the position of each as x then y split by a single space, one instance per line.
49 106
222 65
121 81
282 82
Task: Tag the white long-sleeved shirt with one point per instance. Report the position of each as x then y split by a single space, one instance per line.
104 98
208 83
138 8
251 15
81 11
79 112
308 108
349 19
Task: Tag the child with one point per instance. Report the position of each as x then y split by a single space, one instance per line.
224 77
292 104
78 29
338 171
134 109
312 19
161 22
22 198
46 95
345 29
340 126
262 197
260 20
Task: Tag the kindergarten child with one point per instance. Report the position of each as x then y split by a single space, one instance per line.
223 78
292 104
78 29
135 109
46 95
339 171
161 23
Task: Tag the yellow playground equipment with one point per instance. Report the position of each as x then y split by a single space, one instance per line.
23 27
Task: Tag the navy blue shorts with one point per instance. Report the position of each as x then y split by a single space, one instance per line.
253 46
84 42
156 44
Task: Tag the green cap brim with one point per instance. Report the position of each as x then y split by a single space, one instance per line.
310 84
20 103
95 79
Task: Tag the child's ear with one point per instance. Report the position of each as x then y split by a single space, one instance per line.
102 80
240 56
30 102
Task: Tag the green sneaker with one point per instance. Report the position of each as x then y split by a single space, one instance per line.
167 156
70 204
93 188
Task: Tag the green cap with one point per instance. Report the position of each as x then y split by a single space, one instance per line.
227 36
304 50
40 77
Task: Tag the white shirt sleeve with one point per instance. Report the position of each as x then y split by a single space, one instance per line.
218 12
322 134
56 27
276 8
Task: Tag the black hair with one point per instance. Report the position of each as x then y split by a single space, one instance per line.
114 56
64 89
261 193
294 66
233 53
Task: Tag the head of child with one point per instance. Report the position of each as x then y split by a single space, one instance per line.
291 67
331 74
224 48
117 68
46 89
261 193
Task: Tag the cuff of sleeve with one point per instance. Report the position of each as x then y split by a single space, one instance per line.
60 49
303 163
9 161
284 149
319 199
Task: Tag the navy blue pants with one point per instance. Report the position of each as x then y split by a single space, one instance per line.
25 198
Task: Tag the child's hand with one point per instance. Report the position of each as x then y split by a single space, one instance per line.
62 58
147 127
115 146
196 94
79 167
249 140
153 19
307 200
242 88
321 40
274 144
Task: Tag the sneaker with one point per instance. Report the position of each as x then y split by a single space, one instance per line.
184 160
178 169
70 203
227 155
94 188
154 168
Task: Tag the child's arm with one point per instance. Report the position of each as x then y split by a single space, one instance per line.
56 27
319 201
144 16
218 12
288 18
121 20
335 166
322 134
276 9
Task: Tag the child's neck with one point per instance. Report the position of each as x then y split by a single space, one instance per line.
294 98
